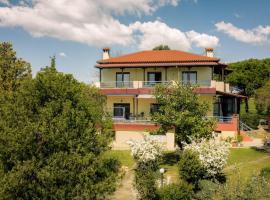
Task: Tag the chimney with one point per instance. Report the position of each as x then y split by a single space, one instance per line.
106 53
209 52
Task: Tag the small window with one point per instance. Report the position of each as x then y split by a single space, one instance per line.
122 79
154 107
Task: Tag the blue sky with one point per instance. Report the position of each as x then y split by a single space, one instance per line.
76 32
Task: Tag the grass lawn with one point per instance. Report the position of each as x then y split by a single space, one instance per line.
123 156
245 161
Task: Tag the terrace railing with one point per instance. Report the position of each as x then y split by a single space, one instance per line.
149 84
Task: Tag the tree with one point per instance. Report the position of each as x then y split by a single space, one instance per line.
250 74
13 70
52 138
161 47
181 110
262 99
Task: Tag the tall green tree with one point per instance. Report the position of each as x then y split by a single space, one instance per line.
262 99
13 70
250 74
161 47
52 138
180 109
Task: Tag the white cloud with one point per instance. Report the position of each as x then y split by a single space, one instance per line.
256 35
202 40
62 54
95 22
85 21
156 33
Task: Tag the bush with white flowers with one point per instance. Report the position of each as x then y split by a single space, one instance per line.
213 155
146 150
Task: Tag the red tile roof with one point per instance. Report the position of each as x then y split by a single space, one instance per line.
158 58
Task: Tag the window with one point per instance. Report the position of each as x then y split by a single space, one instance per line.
189 77
122 79
121 110
153 78
154 107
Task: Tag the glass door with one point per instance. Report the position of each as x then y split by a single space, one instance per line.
122 79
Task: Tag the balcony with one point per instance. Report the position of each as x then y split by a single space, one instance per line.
219 85
146 84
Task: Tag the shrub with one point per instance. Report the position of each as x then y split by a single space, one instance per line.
146 185
177 192
146 153
251 119
213 155
190 167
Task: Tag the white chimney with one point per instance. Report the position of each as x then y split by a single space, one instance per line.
106 53
209 52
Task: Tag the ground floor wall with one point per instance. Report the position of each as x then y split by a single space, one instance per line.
141 107
122 138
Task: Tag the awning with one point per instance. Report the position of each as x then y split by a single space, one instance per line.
146 96
231 95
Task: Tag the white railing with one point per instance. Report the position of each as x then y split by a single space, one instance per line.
149 84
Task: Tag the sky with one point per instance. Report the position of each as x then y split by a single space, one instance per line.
76 31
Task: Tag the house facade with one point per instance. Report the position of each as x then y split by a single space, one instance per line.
128 83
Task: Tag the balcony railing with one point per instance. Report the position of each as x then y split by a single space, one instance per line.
147 84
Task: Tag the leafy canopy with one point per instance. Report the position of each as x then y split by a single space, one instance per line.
250 74
181 110
12 70
262 99
161 47
53 132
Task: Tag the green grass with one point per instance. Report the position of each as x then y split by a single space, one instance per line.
244 155
123 156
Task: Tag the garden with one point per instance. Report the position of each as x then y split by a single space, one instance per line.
243 164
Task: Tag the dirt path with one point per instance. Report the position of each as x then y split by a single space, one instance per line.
126 191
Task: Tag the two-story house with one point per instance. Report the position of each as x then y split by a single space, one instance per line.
128 82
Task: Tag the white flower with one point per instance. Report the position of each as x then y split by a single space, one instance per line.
145 150
212 154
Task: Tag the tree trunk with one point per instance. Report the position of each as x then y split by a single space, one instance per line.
246 105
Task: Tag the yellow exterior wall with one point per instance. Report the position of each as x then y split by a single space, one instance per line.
144 104
173 73
119 99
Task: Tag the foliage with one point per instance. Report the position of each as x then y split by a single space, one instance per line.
161 47
251 119
257 187
146 184
250 74
146 151
262 99
180 191
181 110
190 168
12 70
212 154
53 133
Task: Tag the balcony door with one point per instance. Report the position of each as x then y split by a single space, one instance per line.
122 79
121 110
189 77
153 78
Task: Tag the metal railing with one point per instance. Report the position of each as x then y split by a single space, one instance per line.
150 84
221 119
